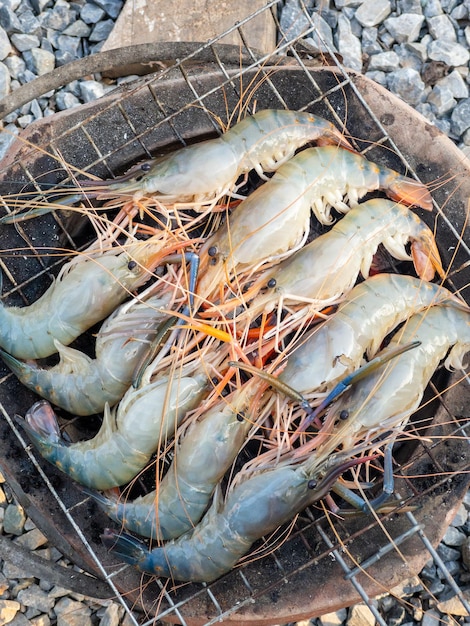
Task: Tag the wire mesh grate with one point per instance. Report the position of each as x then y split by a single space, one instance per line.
186 102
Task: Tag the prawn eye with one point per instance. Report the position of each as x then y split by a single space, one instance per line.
272 282
212 251
312 484
131 265
145 167
344 414
241 416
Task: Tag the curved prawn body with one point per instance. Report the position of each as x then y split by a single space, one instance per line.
208 449
372 309
204 172
275 217
252 509
322 271
368 408
86 291
83 386
128 436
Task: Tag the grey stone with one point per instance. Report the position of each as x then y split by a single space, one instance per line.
24 42
91 13
33 596
465 548
448 5
64 56
34 538
322 37
349 46
41 620
39 61
460 118
15 517
65 43
405 27
30 23
452 54
102 29
5 45
7 136
378 77
112 615
429 570
446 553
459 89
112 7
360 615
431 8
40 5
384 62
410 6
12 4
91 90
57 18
77 29
460 12
453 566
406 83
436 588
441 27
369 41
385 38
31 613
461 515
293 20
442 100
418 49
26 77
8 20
407 57
431 618
72 613
46 44
25 120
21 620
453 537
373 12
65 100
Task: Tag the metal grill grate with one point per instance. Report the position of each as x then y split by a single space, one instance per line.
325 563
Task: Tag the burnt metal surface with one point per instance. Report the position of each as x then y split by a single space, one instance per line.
149 117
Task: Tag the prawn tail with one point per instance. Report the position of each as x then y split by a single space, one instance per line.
108 502
408 191
40 423
23 371
124 546
426 257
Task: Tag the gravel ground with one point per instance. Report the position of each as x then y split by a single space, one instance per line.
418 49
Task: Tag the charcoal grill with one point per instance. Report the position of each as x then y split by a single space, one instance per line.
326 563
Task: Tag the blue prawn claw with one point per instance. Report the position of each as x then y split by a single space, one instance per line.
354 378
